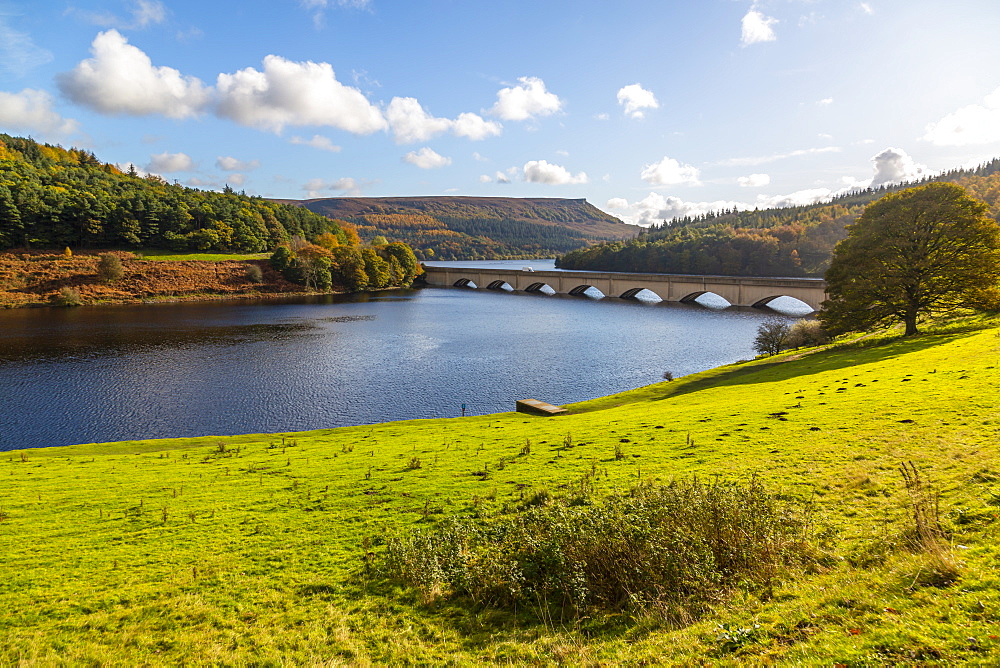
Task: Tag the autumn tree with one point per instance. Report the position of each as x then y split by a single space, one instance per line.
922 250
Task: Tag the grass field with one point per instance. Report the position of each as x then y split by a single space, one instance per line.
263 549
170 256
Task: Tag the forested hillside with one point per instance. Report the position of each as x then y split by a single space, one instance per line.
449 228
794 241
52 197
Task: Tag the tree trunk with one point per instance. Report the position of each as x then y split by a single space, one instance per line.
910 319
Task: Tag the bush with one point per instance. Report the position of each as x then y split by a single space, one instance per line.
68 297
673 550
109 268
806 333
255 274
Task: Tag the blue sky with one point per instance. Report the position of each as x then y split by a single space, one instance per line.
648 109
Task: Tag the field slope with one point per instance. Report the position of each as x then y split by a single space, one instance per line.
262 548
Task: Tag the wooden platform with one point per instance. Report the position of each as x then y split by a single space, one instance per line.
536 407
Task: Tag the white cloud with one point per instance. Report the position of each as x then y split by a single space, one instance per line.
527 100
230 164
655 208
754 180
320 6
144 13
31 111
825 102
499 177
540 171
893 165
478 157
292 93
798 198
867 8
121 79
317 141
346 185
475 127
18 53
971 125
757 28
426 158
617 203
162 163
236 179
410 123
148 12
669 172
760 160
636 99
602 117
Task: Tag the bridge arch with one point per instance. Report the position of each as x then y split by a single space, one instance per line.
587 290
500 285
636 294
540 288
465 283
712 300
784 304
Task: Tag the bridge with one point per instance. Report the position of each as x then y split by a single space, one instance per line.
737 290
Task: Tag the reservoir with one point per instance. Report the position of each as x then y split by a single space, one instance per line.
109 373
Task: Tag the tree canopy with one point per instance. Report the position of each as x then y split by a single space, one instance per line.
927 249
52 197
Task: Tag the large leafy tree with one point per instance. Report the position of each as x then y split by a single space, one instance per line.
927 249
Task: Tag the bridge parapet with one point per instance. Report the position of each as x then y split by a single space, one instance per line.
737 290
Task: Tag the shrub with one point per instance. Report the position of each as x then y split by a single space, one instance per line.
255 274
673 550
109 268
806 333
68 297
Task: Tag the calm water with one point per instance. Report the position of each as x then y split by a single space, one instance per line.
159 370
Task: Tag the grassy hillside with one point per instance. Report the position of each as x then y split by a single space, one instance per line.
267 548
476 227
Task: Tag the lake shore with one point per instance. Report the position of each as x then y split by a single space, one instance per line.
35 279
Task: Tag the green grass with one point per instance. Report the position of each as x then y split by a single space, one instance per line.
170 256
258 548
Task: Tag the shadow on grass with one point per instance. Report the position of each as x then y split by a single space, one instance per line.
820 361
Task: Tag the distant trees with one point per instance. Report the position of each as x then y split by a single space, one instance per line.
927 249
352 268
52 197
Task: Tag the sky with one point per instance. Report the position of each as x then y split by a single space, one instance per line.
649 109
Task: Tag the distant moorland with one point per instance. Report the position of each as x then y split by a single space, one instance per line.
463 228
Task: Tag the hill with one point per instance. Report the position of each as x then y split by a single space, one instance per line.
271 548
447 228
793 241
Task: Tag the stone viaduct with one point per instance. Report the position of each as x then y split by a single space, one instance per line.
737 290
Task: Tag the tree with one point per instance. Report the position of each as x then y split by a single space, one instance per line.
917 251
771 336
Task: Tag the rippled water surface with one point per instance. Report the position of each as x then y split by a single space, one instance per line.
109 373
